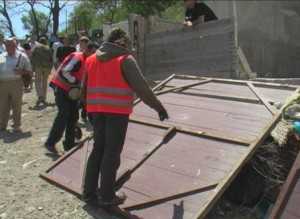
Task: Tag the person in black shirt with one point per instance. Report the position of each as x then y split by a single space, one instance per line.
196 10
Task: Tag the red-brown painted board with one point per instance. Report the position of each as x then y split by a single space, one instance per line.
216 116
275 95
183 165
183 208
179 82
208 155
237 108
139 139
225 89
292 206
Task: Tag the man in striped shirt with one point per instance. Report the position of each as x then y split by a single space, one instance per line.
69 75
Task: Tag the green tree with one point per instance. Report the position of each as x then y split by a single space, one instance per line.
36 23
148 7
83 16
175 12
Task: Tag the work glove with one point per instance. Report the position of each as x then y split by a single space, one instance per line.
163 114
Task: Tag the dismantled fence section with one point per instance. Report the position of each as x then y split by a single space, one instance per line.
181 167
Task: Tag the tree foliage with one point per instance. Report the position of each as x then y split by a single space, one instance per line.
148 7
54 6
93 13
83 16
5 17
36 23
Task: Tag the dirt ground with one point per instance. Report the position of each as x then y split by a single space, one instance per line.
23 194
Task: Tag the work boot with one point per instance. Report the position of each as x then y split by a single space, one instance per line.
67 146
51 149
38 102
91 200
118 199
3 129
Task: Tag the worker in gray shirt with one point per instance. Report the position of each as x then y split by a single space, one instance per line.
113 79
13 64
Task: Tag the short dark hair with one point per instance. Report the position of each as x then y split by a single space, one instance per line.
92 45
84 39
43 40
117 34
26 46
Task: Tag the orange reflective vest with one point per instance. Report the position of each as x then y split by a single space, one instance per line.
58 79
107 91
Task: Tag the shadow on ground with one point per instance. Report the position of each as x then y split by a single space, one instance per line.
11 137
41 107
98 213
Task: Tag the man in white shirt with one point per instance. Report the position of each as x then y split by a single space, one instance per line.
13 64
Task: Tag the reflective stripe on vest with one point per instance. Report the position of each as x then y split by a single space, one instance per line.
107 91
110 102
110 91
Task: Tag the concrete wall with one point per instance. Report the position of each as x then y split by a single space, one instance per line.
206 50
268 32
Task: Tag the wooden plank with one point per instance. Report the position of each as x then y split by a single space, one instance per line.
275 95
286 190
261 98
211 115
192 132
242 82
221 188
168 198
182 166
69 153
244 62
259 84
158 86
222 97
181 88
163 83
127 175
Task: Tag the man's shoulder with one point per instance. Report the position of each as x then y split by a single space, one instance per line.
22 56
91 58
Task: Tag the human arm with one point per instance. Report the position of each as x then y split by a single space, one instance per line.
71 66
133 76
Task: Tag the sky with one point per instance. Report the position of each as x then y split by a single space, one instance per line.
18 25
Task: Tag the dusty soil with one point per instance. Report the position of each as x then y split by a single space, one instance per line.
23 194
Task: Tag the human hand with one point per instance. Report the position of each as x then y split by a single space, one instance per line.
188 23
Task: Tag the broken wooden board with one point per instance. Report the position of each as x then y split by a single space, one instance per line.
287 204
185 176
69 170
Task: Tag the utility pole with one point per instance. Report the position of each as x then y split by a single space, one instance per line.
236 31
66 20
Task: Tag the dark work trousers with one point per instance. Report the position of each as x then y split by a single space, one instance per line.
65 121
109 136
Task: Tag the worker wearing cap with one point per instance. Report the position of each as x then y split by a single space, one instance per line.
113 79
197 10
13 64
66 82
41 59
